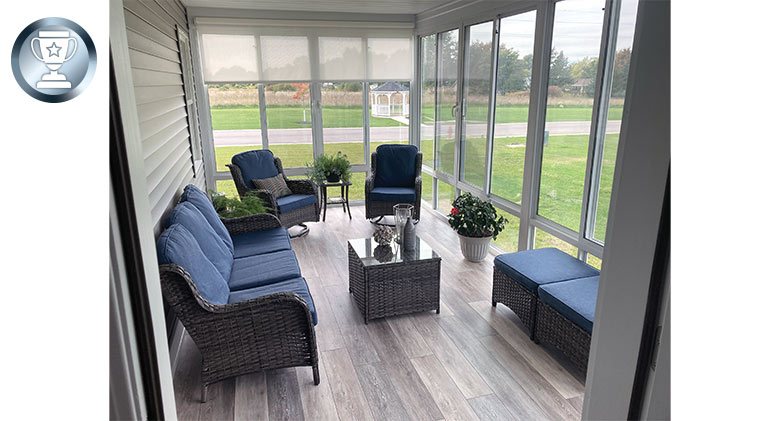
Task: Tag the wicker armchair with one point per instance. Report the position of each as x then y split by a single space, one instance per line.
376 207
272 331
242 172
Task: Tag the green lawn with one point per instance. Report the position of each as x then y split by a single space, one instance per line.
519 113
243 118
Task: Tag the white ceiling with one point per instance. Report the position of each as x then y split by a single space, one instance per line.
343 6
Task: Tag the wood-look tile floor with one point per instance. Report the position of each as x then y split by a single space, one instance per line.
472 361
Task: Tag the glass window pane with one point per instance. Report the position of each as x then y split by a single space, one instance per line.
389 118
576 43
285 58
625 39
228 187
427 97
228 58
342 58
446 197
543 239
389 58
476 91
342 120
427 189
594 261
507 239
515 58
357 191
288 112
235 120
446 101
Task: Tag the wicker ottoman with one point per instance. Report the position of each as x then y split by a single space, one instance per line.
518 276
386 281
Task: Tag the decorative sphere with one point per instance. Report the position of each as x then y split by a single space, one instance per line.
384 235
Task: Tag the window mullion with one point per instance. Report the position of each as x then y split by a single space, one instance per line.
492 105
263 114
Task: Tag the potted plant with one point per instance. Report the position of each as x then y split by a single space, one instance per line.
476 222
233 207
331 168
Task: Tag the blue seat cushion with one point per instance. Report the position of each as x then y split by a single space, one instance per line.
296 285
295 201
263 269
177 245
394 194
532 268
261 242
196 196
395 165
255 165
186 214
574 299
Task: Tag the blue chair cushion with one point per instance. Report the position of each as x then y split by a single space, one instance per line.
574 299
186 214
261 242
295 201
394 194
177 245
255 165
196 196
395 166
296 285
263 269
532 268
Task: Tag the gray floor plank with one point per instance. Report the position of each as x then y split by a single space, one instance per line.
408 337
490 408
284 395
577 402
444 391
380 393
186 380
251 397
317 400
220 401
348 395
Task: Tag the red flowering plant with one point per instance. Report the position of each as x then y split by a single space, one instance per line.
473 217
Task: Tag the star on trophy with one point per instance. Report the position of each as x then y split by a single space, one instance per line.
53 46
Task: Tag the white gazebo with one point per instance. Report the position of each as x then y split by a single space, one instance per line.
390 100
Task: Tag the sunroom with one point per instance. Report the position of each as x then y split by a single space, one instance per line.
555 113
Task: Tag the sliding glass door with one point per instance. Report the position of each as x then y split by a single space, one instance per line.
447 108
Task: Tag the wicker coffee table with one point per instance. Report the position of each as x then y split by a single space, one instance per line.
388 281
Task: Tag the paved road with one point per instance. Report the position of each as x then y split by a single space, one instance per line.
342 135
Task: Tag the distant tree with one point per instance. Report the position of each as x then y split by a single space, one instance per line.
301 90
586 69
560 70
620 74
514 73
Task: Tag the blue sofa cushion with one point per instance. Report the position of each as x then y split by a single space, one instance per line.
296 285
395 165
394 194
295 201
177 245
574 299
210 243
261 242
532 268
196 196
263 269
255 165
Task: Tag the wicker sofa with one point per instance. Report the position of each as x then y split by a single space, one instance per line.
395 177
554 295
303 205
236 286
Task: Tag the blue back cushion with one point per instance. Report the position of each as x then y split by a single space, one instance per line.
202 202
177 245
255 165
395 165
186 214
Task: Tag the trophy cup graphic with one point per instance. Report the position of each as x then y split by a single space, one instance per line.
53 46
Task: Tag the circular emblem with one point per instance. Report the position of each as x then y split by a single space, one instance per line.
53 59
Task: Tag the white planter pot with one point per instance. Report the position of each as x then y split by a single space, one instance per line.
474 249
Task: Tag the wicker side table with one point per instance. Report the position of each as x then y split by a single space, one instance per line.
386 281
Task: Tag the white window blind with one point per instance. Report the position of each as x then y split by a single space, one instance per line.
256 50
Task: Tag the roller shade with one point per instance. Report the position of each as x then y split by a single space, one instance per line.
256 50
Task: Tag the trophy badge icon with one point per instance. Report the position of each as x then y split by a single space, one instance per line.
53 46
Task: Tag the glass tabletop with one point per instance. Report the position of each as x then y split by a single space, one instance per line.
372 253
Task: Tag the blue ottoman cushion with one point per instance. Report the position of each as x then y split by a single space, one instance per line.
196 196
177 245
532 268
394 194
261 242
296 285
295 201
263 269
574 299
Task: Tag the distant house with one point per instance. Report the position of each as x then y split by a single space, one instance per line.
580 85
390 100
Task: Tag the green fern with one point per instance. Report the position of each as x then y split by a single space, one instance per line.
231 207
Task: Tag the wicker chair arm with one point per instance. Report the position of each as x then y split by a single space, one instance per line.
251 223
302 186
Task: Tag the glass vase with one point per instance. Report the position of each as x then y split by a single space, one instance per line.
401 212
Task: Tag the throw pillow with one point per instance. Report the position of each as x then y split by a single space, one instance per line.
275 185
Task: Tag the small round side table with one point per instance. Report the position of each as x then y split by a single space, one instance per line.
343 200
